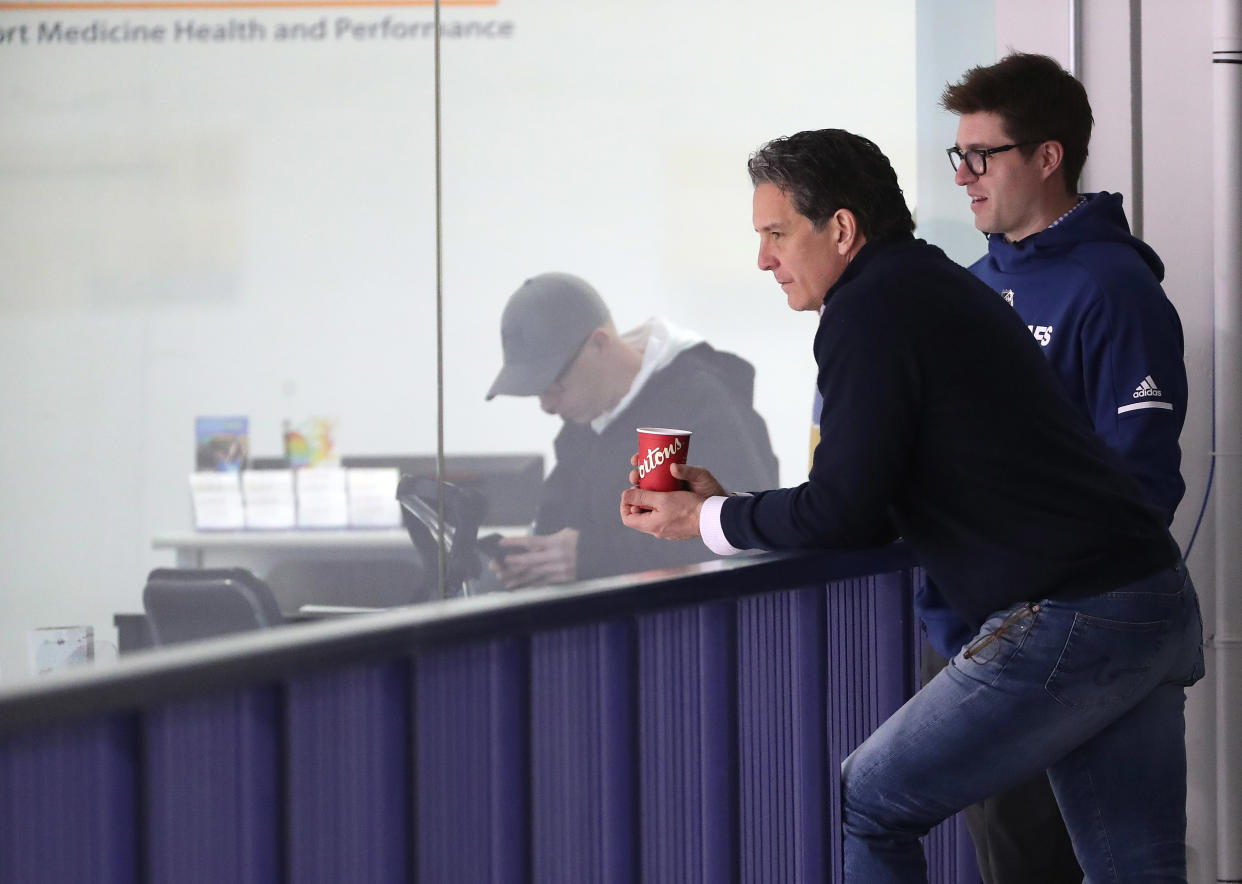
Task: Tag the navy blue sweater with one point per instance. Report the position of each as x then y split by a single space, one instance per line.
943 423
1090 294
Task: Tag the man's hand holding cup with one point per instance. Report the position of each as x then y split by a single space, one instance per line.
669 494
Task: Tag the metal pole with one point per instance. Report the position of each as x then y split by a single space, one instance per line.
1227 429
441 557
1075 39
1136 117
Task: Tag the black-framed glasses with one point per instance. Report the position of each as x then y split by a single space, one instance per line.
977 160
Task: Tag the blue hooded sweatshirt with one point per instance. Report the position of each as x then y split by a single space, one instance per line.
1090 293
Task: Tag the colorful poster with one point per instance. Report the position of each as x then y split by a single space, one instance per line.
221 444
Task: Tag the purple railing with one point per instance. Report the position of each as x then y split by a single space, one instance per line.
681 726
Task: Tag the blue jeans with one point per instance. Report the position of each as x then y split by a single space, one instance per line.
1091 690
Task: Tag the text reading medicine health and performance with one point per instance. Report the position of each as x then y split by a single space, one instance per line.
237 30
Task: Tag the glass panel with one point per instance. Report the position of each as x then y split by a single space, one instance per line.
231 213
610 142
947 47
204 212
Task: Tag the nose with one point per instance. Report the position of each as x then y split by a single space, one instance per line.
766 261
548 401
964 176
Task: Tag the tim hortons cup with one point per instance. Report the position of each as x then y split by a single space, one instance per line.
658 449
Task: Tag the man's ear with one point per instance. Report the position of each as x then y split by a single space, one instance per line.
1049 155
847 230
598 340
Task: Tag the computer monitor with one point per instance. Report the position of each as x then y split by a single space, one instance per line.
509 483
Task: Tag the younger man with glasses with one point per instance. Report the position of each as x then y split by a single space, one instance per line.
1090 293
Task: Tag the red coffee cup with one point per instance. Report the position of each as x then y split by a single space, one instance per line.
658 449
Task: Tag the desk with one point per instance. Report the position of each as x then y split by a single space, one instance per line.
366 567
376 568
192 549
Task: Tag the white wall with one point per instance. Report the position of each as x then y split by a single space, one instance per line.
947 46
1178 194
247 228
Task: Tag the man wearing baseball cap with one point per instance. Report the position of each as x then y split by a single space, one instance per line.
560 344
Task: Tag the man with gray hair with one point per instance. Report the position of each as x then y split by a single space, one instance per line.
561 345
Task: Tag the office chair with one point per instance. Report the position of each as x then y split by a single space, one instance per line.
183 604
464 509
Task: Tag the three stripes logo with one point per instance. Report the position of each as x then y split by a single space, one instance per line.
1148 394
1147 389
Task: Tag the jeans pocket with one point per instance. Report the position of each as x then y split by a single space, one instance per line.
1105 662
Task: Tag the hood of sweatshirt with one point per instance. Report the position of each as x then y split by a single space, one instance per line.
1100 219
660 342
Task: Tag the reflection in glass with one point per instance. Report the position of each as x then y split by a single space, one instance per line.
238 222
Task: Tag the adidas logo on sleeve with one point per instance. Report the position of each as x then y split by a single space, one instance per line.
1145 393
1147 387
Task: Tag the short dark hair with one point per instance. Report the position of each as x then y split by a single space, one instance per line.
1036 99
830 169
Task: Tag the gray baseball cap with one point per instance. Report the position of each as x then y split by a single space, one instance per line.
544 324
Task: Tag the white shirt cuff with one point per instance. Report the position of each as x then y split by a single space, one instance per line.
710 529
